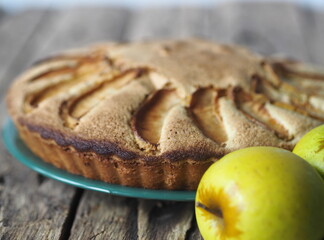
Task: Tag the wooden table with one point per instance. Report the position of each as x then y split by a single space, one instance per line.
35 207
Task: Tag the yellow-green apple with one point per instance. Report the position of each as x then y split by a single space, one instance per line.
311 148
261 193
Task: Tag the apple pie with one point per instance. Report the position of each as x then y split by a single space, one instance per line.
158 114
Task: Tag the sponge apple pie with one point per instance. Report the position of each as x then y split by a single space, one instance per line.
158 114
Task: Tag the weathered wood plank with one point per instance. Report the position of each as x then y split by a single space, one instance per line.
164 220
32 45
83 26
158 23
14 33
268 28
312 28
153 24
31 206
103 216
25 209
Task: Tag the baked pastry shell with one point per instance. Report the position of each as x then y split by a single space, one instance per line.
162 174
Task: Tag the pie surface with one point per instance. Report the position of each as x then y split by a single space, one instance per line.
157 114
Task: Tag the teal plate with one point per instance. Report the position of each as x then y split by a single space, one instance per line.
19 150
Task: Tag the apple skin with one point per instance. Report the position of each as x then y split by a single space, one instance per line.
311 148
261 193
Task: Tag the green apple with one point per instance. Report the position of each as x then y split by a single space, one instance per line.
311 148
260 193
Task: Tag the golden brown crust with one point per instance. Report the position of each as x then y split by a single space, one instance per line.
172 108
162 174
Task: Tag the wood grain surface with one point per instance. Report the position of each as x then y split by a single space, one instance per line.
35 207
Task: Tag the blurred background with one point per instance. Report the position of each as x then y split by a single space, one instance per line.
32 29
18 5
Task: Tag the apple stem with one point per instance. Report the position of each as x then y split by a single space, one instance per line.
217 212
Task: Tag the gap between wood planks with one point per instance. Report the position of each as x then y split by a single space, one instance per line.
68 223
104 216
